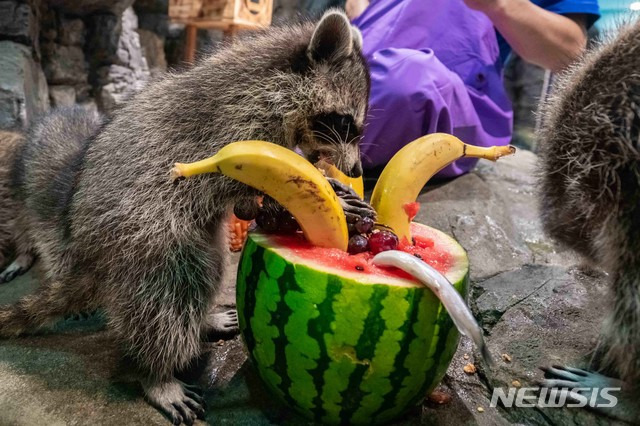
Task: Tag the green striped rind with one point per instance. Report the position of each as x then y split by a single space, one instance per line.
337 350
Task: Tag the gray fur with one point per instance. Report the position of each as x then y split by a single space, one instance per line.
150 252
590 183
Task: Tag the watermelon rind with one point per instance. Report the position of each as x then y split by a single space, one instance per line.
342 347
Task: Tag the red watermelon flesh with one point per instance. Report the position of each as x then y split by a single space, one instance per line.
426 247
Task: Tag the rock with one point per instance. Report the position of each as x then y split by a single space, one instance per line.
64 64
90 106
153 51
102 42
23 87
71 32
18 22
129 69
151 6
62 96
87 7
159 23
493 297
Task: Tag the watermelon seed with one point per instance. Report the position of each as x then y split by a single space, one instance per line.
359 268
417 255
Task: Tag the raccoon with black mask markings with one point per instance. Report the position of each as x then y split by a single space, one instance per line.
151 253
590 201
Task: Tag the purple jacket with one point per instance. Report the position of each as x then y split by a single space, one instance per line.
435 67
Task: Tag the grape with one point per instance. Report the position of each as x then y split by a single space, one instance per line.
266 222
364 225
382 241
287 223
357 244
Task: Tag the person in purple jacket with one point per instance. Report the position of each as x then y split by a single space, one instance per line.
436 65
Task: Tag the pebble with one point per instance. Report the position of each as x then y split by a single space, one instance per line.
469 368
480 410
506 357
439 397
516 384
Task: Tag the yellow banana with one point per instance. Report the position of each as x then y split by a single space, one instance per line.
411 168
332 171
286 177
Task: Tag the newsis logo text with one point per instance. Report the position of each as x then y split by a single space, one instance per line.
554 398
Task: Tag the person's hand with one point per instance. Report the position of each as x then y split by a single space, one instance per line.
354 8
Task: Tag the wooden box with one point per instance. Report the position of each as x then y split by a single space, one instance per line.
223 14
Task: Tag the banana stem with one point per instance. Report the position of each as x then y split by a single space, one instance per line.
491 153
185 170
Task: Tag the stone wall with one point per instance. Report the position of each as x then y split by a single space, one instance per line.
58 53
88 52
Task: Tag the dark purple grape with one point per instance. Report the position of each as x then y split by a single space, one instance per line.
364 225
287 224
382 241
266 222
357 244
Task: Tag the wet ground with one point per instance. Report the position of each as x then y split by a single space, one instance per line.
537 305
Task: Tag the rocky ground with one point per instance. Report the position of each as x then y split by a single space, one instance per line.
535 303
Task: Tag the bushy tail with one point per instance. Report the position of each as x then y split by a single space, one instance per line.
50 303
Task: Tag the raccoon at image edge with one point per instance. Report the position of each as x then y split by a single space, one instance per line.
590 202
111 231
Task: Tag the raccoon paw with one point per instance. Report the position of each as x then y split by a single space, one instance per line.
223 322
354 207
176 400
570 377
580 385
16 268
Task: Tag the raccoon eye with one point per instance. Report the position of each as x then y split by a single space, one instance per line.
340 127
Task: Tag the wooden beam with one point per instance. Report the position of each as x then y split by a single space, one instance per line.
191 33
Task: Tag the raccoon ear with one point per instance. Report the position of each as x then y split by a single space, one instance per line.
332 39
357 37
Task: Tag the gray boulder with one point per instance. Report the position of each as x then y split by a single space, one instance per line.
64 64
23 86
87 7
62 96
18 22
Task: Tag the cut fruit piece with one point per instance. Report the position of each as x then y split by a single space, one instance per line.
340 339
285 176
357 184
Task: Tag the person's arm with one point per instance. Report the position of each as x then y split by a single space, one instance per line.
541 37
354 8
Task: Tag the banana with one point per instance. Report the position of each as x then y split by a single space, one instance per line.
332 171
411 168
286 177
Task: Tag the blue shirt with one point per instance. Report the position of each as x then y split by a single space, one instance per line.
561 7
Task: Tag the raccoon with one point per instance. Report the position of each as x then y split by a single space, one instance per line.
590 196
114 233
10 141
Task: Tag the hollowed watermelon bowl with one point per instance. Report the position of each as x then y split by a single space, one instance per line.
339 339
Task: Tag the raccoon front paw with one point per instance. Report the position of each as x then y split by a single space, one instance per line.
355 208
176 400
16 268
581 385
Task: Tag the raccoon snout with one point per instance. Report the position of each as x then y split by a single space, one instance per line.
356 170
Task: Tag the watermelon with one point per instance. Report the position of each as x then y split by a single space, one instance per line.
338 339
